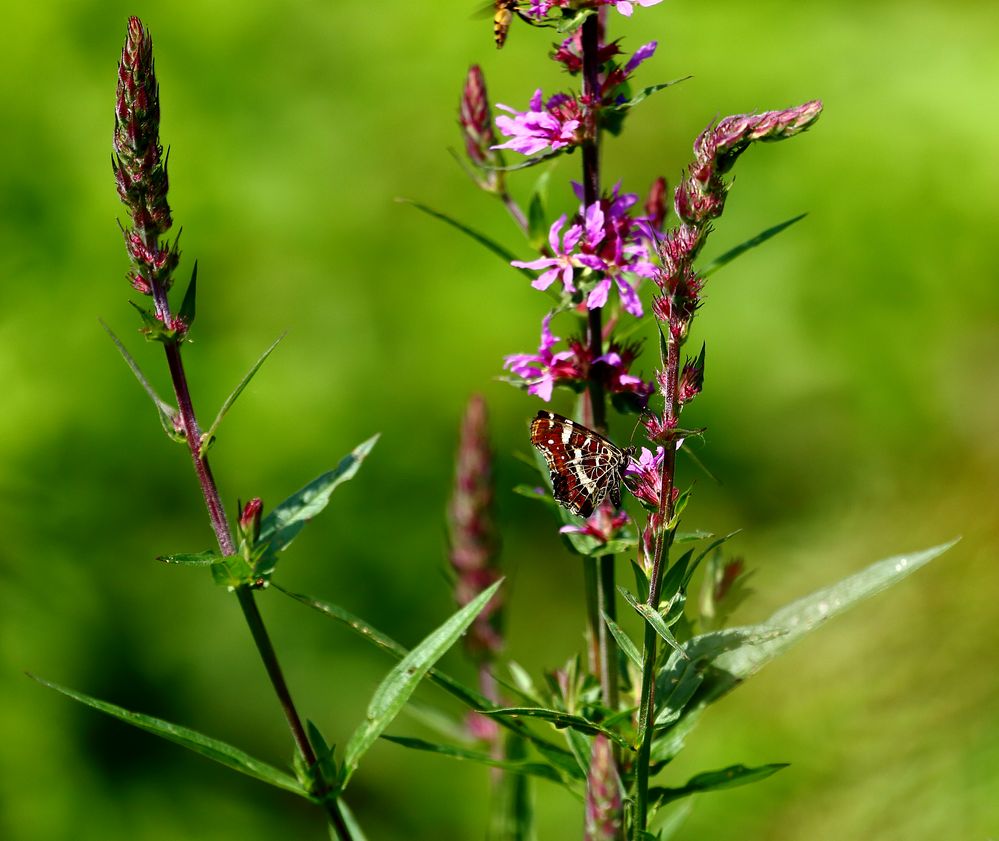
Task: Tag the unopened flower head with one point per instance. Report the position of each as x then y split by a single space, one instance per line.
139 167
603 794
477 128
473 542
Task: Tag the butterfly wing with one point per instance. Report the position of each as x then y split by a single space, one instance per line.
584 466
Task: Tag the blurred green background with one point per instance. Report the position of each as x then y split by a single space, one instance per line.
852 402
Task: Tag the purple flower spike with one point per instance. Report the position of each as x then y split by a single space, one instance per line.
603 794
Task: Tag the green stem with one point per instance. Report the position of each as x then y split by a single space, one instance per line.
223 535
660 560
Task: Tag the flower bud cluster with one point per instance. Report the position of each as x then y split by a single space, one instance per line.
138 162
477 129
473 542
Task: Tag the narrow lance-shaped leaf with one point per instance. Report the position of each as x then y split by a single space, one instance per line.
192 740
534 769
653 617
193 559
166 412
490 244
734 775
188 307
353 827
802 617
468 696
624 642
645 93
560 720
282 525
208 437
402 681
759 239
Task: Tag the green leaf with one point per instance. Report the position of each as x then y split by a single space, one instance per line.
193 559
152 328
691 536
624 642
402 680
734 775
282 525
468 696
644 93
573 19
166 412
192 740
512 806
353 827
188 307
560 720
805 615
759 239
489 244
209 436
232 572
612 547
655 620
533 769
675 820
537 222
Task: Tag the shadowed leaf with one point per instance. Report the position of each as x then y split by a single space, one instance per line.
192 740
533 769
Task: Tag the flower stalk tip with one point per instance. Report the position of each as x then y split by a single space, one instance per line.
473 541
603 794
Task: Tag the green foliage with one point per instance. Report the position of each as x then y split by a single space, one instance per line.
209 437
750 243
192 740
282 525
402 681
734 775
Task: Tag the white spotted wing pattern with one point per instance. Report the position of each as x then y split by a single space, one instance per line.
585 467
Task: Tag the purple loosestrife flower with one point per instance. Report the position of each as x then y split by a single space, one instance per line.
613 245
542 371
561 264
603 794
644 476
550 125
539 8
603 526
473 542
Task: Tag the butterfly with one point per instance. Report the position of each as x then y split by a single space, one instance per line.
585 467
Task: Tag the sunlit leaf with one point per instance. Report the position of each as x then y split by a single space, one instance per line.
751 243
194 559
282 525
734 775
402 680
624 642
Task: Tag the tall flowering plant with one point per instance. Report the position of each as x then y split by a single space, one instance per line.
617 267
